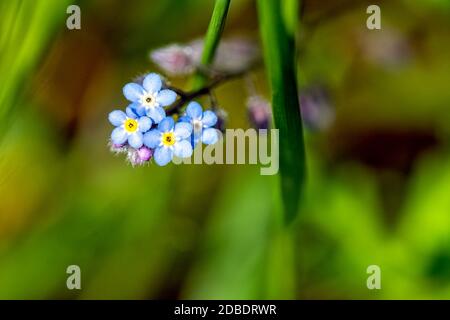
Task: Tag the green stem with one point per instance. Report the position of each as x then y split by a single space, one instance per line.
212 38
278 38
290 15
186 97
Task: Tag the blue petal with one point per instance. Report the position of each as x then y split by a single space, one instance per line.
135 139
152 139
209 119
152 83
185 119
183 149
166 97
133 92
210 136
117 117
156 113
145 123
166 124
131 110
140 110
163 155
194 110
119 135
183 130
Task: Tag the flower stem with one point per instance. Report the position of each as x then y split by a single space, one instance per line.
278 38
212 38
186 96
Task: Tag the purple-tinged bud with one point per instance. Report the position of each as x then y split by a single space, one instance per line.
117 148
145 154
233 55
138 157
259 112
316 108
175 60
236 54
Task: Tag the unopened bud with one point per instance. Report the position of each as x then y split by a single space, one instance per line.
236 54
175 60
117 148
259 112
139 156
233 55
316 108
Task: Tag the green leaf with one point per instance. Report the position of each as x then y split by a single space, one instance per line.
278 39
26 26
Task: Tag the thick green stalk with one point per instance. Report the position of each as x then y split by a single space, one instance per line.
290 15
278 37
212 37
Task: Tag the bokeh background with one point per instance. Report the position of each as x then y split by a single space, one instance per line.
378 188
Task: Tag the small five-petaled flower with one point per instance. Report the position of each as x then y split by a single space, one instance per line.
202 123
149 98
144 131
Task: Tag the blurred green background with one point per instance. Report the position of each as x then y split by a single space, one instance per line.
378 188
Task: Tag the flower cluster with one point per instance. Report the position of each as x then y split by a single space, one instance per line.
144 131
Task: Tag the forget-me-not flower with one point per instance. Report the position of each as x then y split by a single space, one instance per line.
149 98
169 139
129 128
202 124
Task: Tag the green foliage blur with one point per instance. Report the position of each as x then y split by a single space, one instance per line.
378 179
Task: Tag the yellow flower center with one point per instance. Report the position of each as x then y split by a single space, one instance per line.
168 139
131 125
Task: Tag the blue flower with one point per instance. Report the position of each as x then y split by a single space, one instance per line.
169 139
202 124
149 99
129 128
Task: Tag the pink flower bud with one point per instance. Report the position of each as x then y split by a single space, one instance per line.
139 156
145 154
233 54
236 54
317 111
117 148
259 112
175 60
